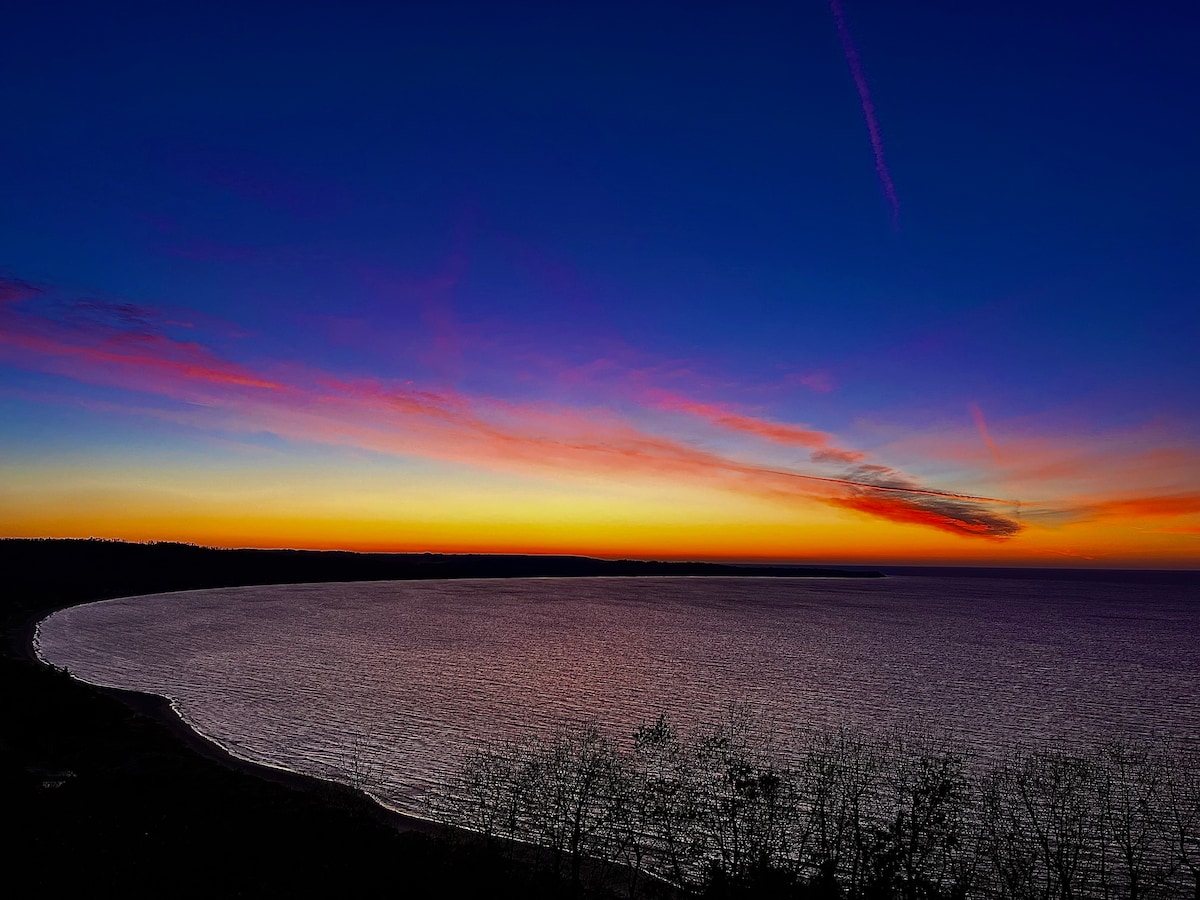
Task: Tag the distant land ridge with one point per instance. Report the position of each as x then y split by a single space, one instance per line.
187 566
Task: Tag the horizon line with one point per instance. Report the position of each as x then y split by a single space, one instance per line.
729 561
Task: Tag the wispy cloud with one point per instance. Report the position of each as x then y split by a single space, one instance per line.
868 108
128 347
117 344
1039 459
819 382
1142 478
818 441
1154 506
883 492
13 290
982 427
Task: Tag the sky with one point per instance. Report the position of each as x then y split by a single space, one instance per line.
827 282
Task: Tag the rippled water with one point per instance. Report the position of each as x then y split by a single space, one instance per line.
393 680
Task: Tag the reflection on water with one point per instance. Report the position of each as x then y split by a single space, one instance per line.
397 678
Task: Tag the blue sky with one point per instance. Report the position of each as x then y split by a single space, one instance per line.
673 216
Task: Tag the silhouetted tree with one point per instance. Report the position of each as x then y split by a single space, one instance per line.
1131 810
923 851
1182 801
576 792
749 803
732 813
662 806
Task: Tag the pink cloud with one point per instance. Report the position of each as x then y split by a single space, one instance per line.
14 291
312 405
818 441
127 359
819 382
981 426
834 455
1037 462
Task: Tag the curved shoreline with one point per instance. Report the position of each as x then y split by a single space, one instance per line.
115 795
163 710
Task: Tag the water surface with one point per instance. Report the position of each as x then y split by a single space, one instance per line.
394 680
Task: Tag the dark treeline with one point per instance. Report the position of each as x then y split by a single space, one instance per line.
735 813
212 566
54 571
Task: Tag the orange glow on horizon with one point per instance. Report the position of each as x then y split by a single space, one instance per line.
225 452
609 528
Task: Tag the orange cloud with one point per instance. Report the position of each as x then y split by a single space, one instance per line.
1169 506
955 517
881 491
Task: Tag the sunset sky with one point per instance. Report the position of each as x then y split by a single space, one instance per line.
812 282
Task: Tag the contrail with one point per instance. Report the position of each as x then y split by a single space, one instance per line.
868 108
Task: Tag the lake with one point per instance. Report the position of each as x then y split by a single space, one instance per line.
389 683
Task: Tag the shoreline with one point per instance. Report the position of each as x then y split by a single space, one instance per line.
114 794
162 710
81 572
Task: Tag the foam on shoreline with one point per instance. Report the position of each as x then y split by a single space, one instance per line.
167 711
